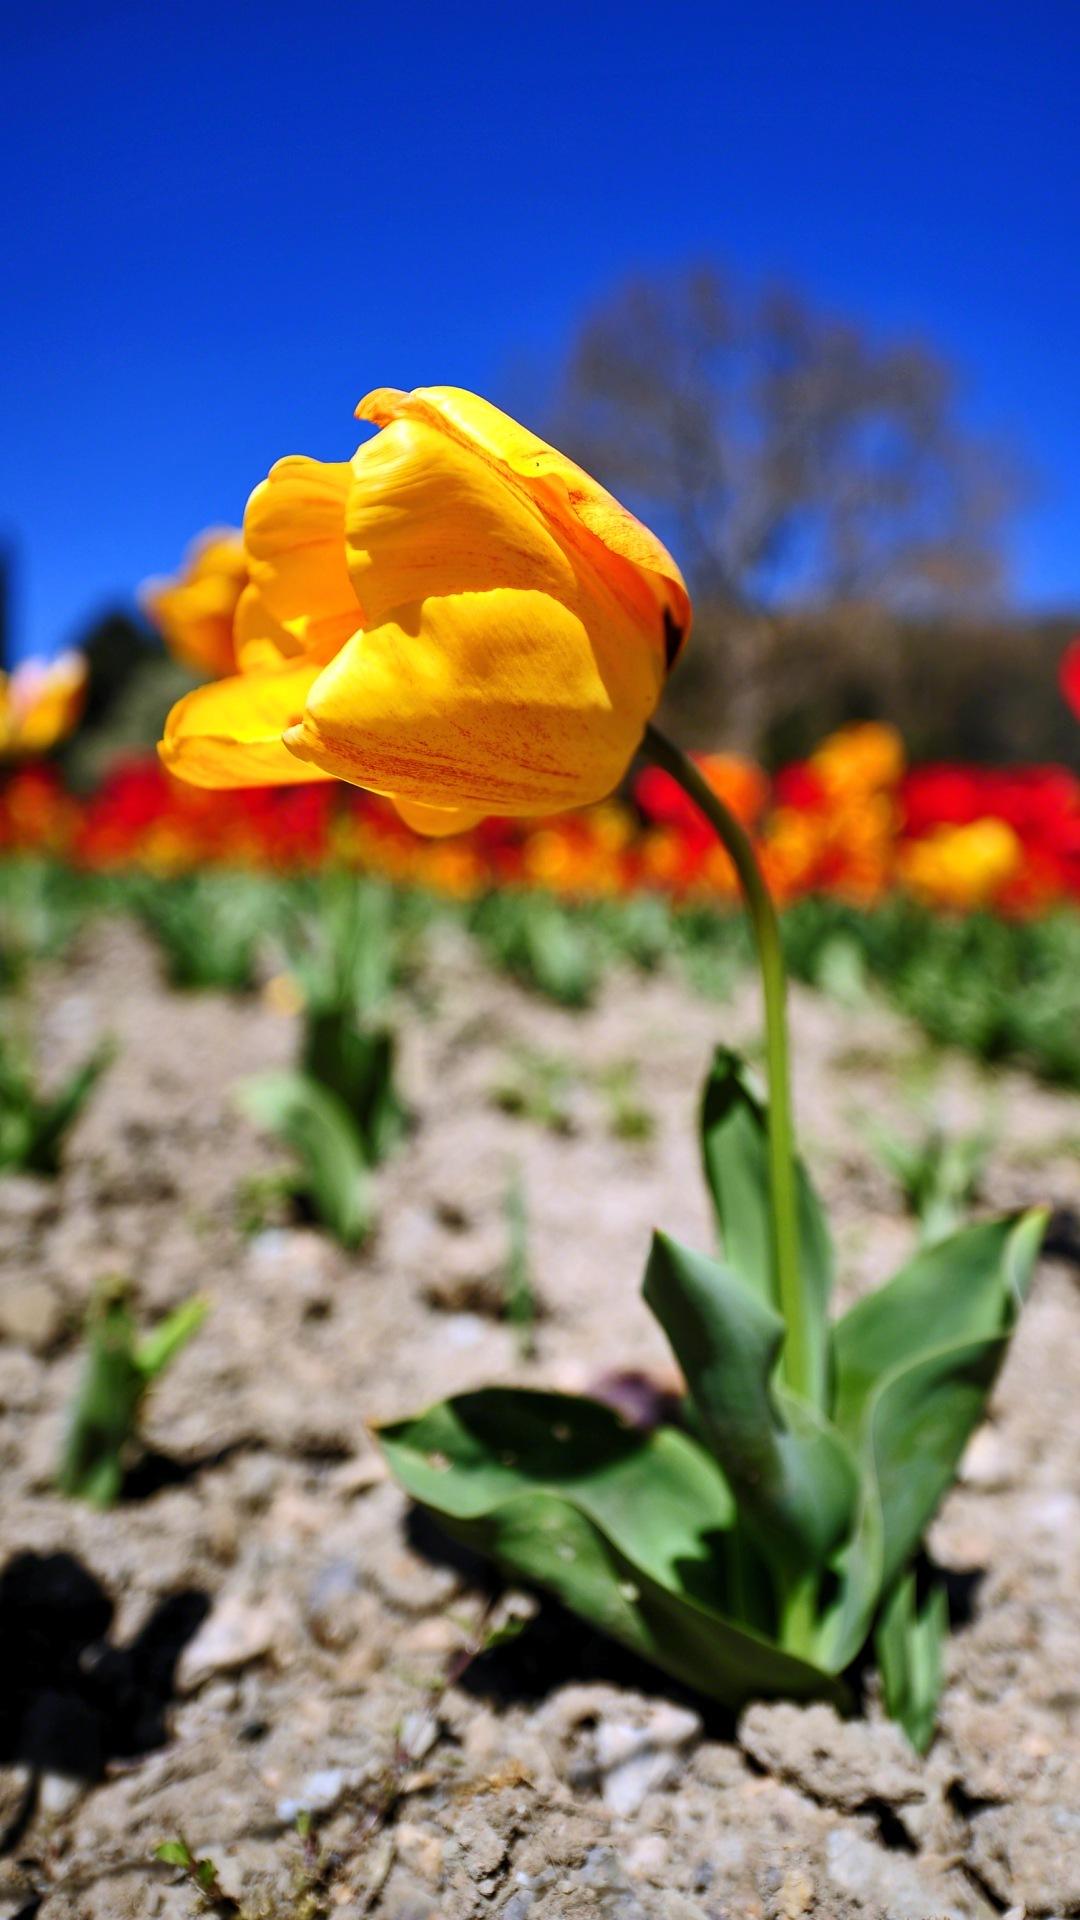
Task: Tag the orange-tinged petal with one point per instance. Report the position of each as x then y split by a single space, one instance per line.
294 537
229 732
500 701
194 611
436 822
570 497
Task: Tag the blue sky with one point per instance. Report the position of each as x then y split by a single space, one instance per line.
222 224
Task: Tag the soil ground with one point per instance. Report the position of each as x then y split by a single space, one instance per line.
262 1626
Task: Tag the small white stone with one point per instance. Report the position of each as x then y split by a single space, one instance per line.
627 1787
58 1793
419 1732
234 1634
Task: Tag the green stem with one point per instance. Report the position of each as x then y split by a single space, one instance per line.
796 1360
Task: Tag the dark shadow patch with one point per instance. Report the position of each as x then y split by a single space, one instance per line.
673 639
891 1830
962 1587
1062 1241
71 1700
556 1648
154 1472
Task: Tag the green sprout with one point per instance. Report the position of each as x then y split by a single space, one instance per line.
32 1124
120 1367
518 1292
208 927
938 1174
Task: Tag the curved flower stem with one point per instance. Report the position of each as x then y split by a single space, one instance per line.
796 1357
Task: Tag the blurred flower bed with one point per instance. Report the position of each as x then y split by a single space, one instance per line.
852 822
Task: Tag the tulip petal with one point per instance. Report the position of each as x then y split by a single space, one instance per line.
229 732
258 639
426 515
194 612
294 537
562 489
436 822
501 701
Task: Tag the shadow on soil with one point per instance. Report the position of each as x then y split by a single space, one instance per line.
71 1700
553 1649
556 1648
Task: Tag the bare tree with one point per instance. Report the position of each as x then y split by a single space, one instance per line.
794 462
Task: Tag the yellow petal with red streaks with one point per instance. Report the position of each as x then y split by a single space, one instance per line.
501 702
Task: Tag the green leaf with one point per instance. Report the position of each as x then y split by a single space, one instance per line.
626 1528
117 1372
965 1288
791 1472
913 1379
356 1062
154 1353
104 1417
32 1129
315 1124
909 1647
175 1853
734 1137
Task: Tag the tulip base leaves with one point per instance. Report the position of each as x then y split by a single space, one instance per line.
756 1550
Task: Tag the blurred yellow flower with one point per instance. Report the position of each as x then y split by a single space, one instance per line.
962 867
40 704
865 758
459 618
195 612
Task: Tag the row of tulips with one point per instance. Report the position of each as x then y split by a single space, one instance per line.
851 821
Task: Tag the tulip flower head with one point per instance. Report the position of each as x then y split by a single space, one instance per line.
40 704
458 618
195 612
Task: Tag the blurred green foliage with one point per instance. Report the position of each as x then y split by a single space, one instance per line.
1005 991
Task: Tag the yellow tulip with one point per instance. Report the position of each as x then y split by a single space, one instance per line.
459 618
195 612
867 757
963 867
40 703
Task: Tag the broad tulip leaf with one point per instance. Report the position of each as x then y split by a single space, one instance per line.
911 1413
909 1645
968 1287
315 1124
625 1528
791 1472
735 1150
